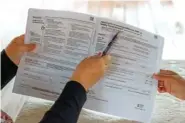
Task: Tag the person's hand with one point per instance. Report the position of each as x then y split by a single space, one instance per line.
90 70
17 48
171 82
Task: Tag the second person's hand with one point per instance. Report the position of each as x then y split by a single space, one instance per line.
90 70
170 82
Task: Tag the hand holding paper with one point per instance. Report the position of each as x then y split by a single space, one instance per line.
17 48
171 82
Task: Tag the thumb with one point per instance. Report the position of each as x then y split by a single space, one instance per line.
28 47
162 77
167 72
107 59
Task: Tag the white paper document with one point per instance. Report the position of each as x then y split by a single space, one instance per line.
65 38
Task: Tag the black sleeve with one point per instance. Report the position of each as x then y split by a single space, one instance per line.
8 69
68 106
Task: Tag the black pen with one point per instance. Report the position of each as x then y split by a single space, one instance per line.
110 44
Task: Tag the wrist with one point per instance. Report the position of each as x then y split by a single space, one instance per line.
6 53
182 92
80 81
9 56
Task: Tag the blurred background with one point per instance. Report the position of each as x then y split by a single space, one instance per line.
163 17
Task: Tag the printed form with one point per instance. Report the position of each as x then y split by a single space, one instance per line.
65 38
127 90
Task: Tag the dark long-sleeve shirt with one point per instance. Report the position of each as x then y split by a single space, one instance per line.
8 69
67 107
